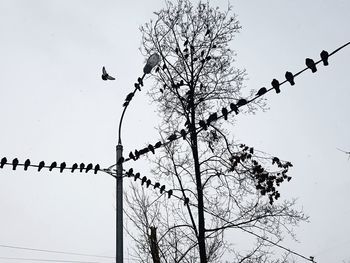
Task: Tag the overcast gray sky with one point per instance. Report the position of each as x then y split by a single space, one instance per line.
55 107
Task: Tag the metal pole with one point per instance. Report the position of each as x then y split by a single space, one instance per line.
119 200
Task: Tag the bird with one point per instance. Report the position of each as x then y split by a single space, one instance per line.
88 167
162 189
143 180
132 156
186 201
241 102
129 96
324 56
203 125
151 148
62 167
41 166
53 165
156 185
74 167
3 162
172 137
26 164
261 91
207 32
14 163
290 77
136 176
137 86
130 172
140 81
224 112
158 144
143 151
148 183
105 75
170 192
212 117
183 134
137 154
311 64
81 167
276 85
97 168
234 108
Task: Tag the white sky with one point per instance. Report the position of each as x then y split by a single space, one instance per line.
55 107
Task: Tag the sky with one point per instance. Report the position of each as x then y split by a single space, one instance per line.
55 107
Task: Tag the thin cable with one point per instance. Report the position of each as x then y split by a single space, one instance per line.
55 251
48 260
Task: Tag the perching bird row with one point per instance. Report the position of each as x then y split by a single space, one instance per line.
54 165
234 107
147 182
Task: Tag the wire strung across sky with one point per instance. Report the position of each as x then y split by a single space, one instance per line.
234 107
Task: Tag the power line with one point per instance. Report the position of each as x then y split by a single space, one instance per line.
48 260
233 106
54 251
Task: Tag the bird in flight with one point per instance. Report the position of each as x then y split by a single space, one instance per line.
105 75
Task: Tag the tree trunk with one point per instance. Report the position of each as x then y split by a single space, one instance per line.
154 244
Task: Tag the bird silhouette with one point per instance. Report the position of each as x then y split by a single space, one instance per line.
130 172
186 201
143 180
14 163
162 189
234 108
151 148
74 167
143 151
311 65
88 167
136 176
3 162
324 56
137 86
212 117
241 102
105 75
290 77
41 166
276 85
172 137
156 185
183 134
170 192
26 164
157 145
148 183
53 165
132 156
261 91
164 67
62 167
137 154
129 96
203 125
224 112
126 103
97 168
140 81
81 167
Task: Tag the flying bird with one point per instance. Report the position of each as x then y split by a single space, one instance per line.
3 162
290 77
324 56
14 163
261 91
276 85
105 75
311 65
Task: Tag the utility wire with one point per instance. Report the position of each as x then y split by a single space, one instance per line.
48 260
55 251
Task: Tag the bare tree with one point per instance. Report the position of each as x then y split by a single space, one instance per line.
222 184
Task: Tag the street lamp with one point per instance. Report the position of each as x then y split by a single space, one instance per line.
152 61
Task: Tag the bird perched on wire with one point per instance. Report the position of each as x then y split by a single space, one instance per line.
324 56
105 75
311 64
